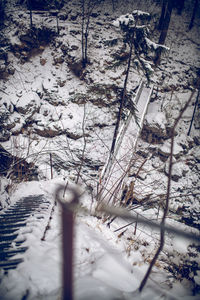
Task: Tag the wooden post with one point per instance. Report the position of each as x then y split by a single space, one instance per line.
67 240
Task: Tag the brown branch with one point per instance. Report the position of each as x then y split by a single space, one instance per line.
166 209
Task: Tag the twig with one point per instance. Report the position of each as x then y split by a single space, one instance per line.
166 209
84 146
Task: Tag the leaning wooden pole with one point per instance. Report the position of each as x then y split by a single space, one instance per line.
67 239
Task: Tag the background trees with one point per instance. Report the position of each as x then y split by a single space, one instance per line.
2 11
87 8
163 25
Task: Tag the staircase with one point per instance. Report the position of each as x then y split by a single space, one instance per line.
11 220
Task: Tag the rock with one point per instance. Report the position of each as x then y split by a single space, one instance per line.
43 61
18 94
114 42
61 82
37 88
185 141
27 39
76 67
94 15
155 124
179 169
11 70
74 47
63 16
28 104
58 59
10 123
166 148
18 123
50 88
15 167
7 103
74 16
47 132
4 134
71 92
64 49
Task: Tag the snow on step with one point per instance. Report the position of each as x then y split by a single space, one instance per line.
11 221
116 167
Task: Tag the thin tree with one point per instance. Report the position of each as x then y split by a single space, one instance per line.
123 97
87 7
84 146
2 11
162 16
29 4
195 107
166 208
164 26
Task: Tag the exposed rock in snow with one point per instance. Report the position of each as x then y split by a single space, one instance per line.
37 88
155 127
58 59
47 132
166 148
179 169
28 104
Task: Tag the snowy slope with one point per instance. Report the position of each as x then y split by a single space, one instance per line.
47 109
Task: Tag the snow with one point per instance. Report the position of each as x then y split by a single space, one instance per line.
108 264
124 19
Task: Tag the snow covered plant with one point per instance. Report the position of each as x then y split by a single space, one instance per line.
135 28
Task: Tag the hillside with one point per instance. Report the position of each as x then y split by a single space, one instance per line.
57 121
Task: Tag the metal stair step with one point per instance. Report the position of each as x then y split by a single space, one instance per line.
9 253
10 264
5 230
8 237
12 226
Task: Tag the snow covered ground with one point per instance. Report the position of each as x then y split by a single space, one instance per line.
47 109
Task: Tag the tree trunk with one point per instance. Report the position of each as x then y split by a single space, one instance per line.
57 23
193 14
86 38
82 31
165 27
30 11
195 106
122 100
162 16
179 6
